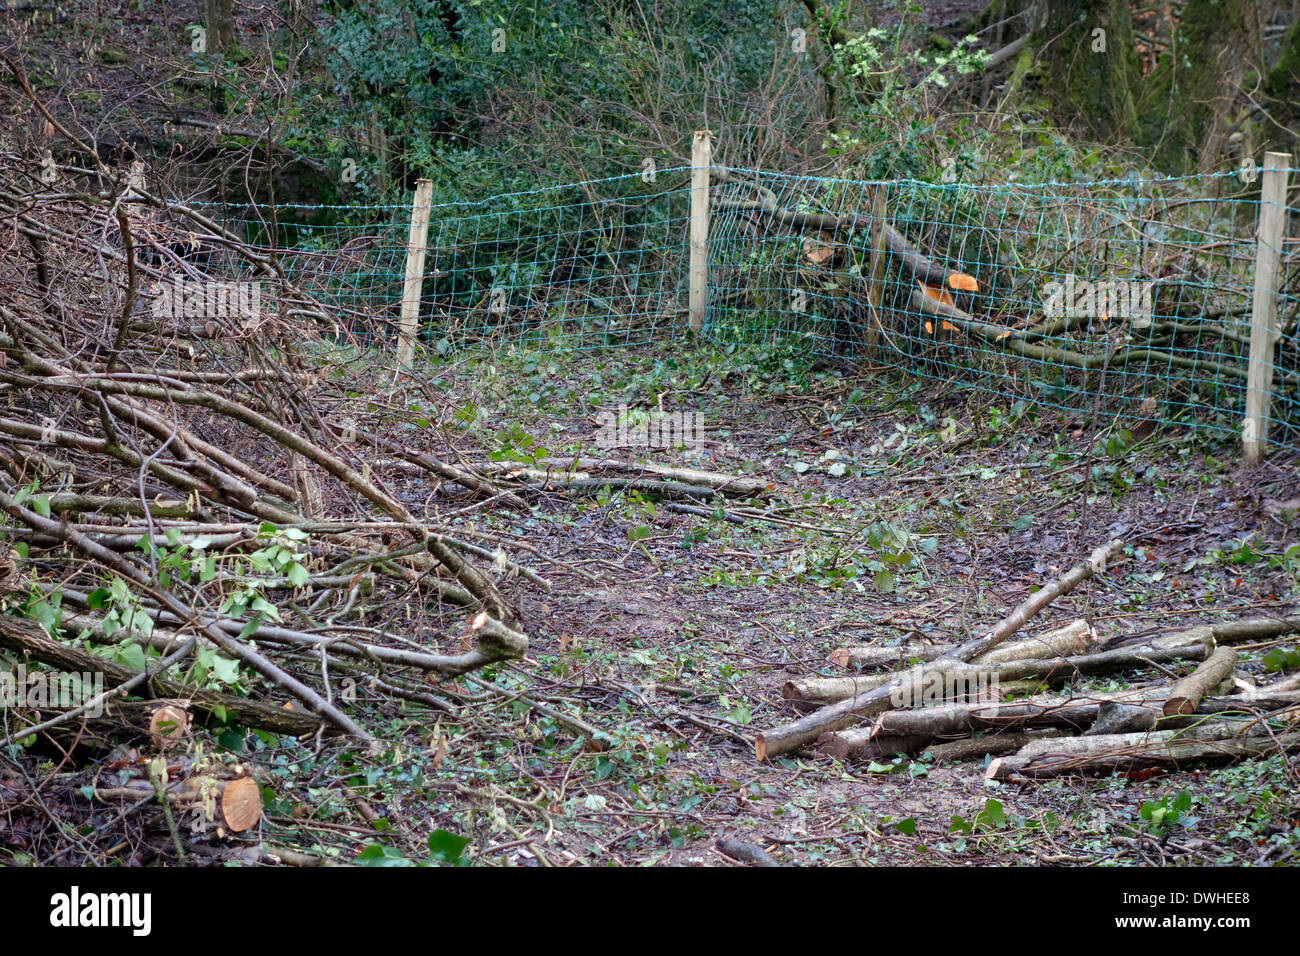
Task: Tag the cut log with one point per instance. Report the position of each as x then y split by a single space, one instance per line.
1232 632
1187 693
857 743
1266 700
992 676
581 472
807 729
1214 743
1256 628
1117 717
1104 662
870 657
733 486
1072 714
169 725
827 690
975 748
160 507
854 710
1185 635
646 486
241 804
234 805
1283 686
1074 638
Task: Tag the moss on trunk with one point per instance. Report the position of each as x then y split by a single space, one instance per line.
1283 89
1188 106
1087 64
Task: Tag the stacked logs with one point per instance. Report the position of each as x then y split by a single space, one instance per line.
993 698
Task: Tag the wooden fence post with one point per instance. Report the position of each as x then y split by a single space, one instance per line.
878 256
415 249
701 162
1263 313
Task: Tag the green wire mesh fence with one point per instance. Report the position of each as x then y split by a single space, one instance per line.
597 263
1139 290
1133 293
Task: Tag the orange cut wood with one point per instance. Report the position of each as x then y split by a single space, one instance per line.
936 292
818 252
241 804
168 724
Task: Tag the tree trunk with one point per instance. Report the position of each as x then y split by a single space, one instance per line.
1088 65
1283 89
219 19
1188 107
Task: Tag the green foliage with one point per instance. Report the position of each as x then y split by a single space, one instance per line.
1249 552
994 827
1169 811
882 550
445 849
886 77
427 75
123 612
40 503
1282 659
514 444
992 817
282 555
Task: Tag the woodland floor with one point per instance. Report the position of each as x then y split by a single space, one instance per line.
679 651
715 616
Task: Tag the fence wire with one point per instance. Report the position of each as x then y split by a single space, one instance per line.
1138 289
591 264
1135 293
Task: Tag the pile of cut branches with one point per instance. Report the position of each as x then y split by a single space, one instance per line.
186 451
993 697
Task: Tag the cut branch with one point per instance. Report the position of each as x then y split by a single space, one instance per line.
911 684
